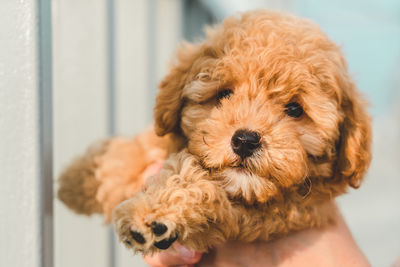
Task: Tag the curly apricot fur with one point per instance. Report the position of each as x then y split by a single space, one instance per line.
206 194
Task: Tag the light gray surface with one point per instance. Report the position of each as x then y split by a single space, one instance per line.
146 33
373 211
80 114
22 218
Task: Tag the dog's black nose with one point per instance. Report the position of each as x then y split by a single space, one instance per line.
245 142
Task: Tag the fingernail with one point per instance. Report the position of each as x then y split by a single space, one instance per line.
185 252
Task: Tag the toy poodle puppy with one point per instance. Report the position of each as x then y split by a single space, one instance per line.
258 128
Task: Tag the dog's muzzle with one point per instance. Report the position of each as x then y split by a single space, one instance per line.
245 142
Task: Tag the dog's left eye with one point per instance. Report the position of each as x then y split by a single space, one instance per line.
293 109
224 93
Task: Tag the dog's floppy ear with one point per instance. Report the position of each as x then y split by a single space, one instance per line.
354 148
169 99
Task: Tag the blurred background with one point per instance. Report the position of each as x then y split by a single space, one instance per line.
105 59
126 45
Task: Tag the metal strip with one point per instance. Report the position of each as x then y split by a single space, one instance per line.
46 133
152 29
111 66
111 104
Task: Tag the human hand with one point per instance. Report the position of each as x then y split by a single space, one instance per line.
177 255
329 246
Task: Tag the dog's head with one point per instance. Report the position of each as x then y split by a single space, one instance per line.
266 101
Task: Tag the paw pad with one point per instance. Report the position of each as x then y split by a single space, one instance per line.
138 237
165 243
158 228
149 236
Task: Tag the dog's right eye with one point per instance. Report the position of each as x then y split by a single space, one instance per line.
293 109
224 93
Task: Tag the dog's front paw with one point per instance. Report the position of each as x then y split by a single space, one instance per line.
142 227
159 229
155 234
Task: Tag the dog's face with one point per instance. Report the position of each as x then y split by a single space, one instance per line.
266 103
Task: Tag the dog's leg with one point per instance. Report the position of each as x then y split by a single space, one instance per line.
78 184
111 172
180 204
279 218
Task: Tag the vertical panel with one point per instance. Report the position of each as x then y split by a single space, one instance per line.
168 29
131 83
131 72
111 106
146 35
25 143
80 118
46 131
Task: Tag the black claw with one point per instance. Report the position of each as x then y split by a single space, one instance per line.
158 228
165 243
138 237
128 242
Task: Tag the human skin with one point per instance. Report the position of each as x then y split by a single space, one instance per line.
329 246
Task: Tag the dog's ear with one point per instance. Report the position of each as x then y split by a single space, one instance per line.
354 148
169 99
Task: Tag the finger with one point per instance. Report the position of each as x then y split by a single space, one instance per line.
178 256
165 259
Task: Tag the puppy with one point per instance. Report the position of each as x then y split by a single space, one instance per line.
259 127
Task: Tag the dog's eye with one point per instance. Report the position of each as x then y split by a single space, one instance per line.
293 109
224 93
